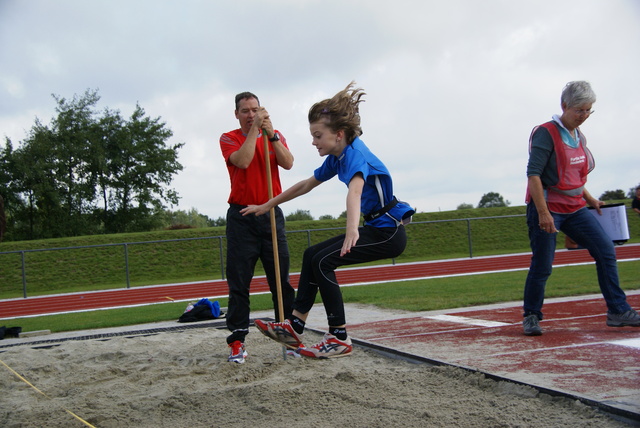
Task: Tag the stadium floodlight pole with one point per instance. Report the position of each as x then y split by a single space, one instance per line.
274 236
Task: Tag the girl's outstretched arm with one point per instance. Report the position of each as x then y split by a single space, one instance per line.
298 189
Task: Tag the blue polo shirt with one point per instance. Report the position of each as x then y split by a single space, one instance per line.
357 158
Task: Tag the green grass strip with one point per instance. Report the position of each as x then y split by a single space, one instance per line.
417 295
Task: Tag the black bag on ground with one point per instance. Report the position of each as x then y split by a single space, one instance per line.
198 313
202 311
10 332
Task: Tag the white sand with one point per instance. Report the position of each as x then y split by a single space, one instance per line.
182 379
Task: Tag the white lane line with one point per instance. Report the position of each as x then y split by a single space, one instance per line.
632 343
635 343
467 321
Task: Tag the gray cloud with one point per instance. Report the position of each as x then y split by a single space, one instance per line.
454 87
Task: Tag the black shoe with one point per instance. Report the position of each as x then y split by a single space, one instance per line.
531 325
629 318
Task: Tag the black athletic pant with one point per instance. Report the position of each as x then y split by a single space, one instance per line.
249 239
321 260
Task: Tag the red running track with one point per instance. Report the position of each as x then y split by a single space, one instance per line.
75 302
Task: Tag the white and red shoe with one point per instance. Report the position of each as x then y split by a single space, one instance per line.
281 332
330 347
237 353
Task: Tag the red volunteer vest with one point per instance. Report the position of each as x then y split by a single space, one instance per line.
573 165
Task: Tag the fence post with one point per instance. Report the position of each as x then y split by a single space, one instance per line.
221 256
126 263
469 238
24 276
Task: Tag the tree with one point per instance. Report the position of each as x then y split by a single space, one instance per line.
492 199
326 217
9 186
139 171
611 195
220 221
72 139
106 153
41 209
191 218
464 206
299 215
3 219
89 172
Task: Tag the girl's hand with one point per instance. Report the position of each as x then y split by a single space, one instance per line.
254 209
350 240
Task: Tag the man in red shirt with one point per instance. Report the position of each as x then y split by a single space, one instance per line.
249 238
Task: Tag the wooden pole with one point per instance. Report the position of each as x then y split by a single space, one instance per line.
274 232
274 236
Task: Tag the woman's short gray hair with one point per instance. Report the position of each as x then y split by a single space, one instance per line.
577 93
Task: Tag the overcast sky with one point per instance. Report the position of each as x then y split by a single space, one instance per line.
453 87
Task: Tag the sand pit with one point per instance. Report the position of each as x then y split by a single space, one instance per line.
182 379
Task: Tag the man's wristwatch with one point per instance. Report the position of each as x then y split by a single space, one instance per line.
275 137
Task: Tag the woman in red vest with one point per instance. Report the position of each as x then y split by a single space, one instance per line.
559 162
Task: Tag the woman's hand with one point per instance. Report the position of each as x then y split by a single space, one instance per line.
593 202
596 205
546 223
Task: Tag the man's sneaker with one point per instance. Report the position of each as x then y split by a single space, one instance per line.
281 332
531 325
629 318
330 347
238 353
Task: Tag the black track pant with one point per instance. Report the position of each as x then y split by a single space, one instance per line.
321 260
249 239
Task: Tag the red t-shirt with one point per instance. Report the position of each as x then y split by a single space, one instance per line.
250 186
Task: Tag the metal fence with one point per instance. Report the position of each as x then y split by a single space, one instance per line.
125 247
309 234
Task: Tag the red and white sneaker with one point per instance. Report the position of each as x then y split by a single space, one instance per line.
330 347
238 353
281 332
